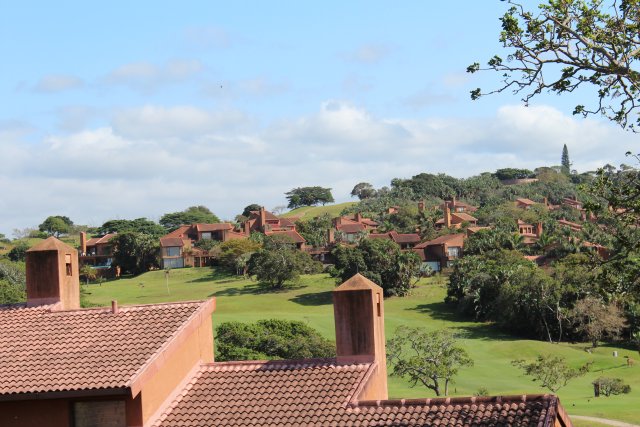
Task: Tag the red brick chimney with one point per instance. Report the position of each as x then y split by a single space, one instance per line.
247 228
447 216
545 201
358 217
358 309
83 243
331 235
262 220
539 230
52 275
421 205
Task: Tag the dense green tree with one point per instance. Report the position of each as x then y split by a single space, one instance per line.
571 44
270 339
607 386
135 252
279 262
552 372
56 225
12 283
432 359
191 215
235 254
597 320
564 160
315 230
138 225
512 173
363 190
381 261
308 196
18 252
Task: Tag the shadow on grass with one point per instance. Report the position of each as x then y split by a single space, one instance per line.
218 277
253 289
463 326
313 299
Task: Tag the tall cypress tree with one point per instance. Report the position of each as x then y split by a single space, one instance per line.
564 161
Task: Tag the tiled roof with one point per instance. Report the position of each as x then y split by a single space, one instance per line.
324 393
350 228
276 393
214 227
570 224
166 242
294 235
179 232
524 201
47 351
404 237
464 216
101 240
447 238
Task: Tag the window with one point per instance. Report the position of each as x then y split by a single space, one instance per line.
99 413
172 251
206 235
67 262
454 251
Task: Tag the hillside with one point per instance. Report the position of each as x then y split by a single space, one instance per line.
308 212
243 300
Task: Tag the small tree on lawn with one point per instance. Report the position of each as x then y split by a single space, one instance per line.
552 372
429 358
597 320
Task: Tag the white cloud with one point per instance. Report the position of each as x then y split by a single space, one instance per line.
52 83
368 53
147 77
154 160
176 122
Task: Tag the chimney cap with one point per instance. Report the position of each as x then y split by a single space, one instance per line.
356 283
51 244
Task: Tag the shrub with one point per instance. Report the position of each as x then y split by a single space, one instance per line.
609 386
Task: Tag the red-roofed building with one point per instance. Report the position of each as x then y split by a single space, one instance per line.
152 365
177 248
530 232
441 252
524 203
96 251
452 219
265 222
456 206
404 240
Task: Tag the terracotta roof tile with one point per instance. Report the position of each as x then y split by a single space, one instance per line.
294 235
350 227
322 393
213 227
276 393
525 201
171 242
101 240
447 238
40 348
464 216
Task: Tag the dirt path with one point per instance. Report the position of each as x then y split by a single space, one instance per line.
604 421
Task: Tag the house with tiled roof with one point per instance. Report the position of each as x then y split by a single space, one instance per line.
265 222
97 251
404 240
177 249
453 219
457 206
152 365
442 251
529 232
350 229
65 366
524 203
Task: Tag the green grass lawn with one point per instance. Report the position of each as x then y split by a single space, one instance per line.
310 301
308 212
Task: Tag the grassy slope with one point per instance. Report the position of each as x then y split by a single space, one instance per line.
243 300
308 212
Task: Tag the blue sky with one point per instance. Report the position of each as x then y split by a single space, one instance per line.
129 109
